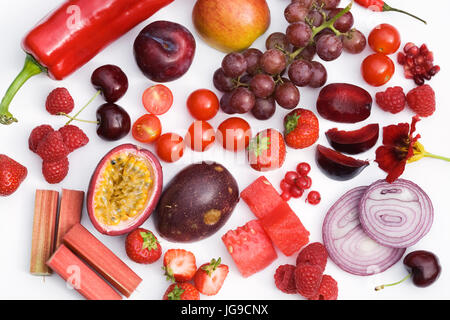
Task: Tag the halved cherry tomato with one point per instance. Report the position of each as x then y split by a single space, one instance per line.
147 128
157 99
234 134
203 104
170 147
384 39
377 69
200 136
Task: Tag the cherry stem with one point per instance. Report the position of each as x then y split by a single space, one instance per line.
430 155
378 288
88 103
73 118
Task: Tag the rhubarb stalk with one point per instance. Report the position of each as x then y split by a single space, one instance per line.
70 209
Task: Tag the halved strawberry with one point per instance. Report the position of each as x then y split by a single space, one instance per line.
267 151
180 265
210 277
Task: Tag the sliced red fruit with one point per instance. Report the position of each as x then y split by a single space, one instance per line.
354 142
210 277
337 166
157 99
180 265
250 248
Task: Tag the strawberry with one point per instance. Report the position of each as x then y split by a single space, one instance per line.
52 147
179 265
12 174
181 291
307 279
314 253
37 135
73 137
328 289
55 171
210 277
142 246
267 151
301 128
59 101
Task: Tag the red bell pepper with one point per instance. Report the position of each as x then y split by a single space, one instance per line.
380 5
72 35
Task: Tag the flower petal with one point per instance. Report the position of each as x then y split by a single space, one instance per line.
388 161
395 134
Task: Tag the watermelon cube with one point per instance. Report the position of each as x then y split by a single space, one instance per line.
261 197
285 229
250 248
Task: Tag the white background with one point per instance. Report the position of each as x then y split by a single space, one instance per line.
16 211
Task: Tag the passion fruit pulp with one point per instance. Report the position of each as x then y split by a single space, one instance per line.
124 189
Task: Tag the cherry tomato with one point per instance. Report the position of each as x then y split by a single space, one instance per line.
384 39
377 69
157 99
200 136
147 128
234 134
203 104
170 147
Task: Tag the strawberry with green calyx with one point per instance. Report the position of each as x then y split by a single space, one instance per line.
301 128
142 246
210 277
181 291
267 150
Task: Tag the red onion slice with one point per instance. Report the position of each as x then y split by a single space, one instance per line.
396 214
348 245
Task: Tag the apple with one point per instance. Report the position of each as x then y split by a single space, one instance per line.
231 25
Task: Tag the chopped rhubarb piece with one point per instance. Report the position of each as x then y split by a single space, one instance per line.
261 197
101 259
80 276
285 229
250 248
70 208
44 222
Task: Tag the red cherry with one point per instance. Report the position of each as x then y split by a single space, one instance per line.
313 197
303 168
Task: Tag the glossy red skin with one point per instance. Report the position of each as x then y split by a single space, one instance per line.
354 142
424 267
238 129
111 81
170 147
385 39
345 103
337 166
62 49
164 51
203 104
151 203
377 69
200 136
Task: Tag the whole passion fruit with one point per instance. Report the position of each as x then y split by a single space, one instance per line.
124 189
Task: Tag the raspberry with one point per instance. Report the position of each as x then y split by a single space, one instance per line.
73 137
422 100
37 134
285 279
55 171
314 253
59 101
52 147
307 279
328 289
393 100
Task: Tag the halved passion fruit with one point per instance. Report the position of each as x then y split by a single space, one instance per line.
124 189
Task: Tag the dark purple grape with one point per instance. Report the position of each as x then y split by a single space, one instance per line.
262 85
264 108
328 4
315 18
300 72
354 42
308 52
222 82
319 75
287 95
245 79
242 100
299 34
295 12
344 23
329 47
277 40
225 103
234 64
323 32
252 56
273 61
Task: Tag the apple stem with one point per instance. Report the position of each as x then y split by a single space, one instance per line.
88 103
378 288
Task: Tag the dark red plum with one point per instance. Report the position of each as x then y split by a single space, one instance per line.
164 50
111 81
343 102
354 142
114 122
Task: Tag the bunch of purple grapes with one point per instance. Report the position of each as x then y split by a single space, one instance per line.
253 81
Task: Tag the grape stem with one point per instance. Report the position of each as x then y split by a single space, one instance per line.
238 83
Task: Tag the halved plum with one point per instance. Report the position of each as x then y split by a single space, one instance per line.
354 142
337 166
124 189
343 102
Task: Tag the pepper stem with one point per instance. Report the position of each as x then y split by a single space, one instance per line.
30 68
386 7
84 107
378 288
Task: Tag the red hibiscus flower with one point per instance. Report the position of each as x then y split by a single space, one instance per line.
400 147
